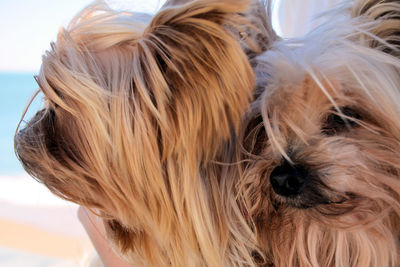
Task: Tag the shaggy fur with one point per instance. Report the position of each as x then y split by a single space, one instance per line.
326 117
147 122
140 113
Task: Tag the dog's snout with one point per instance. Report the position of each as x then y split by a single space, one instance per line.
289 180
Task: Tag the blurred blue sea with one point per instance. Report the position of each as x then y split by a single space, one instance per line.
16 91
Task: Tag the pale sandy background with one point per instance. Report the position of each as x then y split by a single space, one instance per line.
38 229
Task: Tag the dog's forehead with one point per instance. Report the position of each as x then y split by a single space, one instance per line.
313 93
341 77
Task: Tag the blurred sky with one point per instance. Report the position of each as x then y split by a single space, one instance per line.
28 26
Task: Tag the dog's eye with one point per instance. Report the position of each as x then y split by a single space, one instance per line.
336 123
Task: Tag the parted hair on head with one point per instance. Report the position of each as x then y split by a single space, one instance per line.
137 111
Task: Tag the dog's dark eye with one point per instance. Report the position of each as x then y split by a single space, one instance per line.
335 123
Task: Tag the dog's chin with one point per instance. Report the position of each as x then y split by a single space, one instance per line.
307 200
294 202
315 206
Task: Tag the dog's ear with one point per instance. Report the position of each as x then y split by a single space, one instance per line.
259 35
386 15
202 82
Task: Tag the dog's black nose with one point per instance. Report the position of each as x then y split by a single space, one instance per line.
288 180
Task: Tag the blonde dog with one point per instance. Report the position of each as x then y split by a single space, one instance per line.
321 178
140 121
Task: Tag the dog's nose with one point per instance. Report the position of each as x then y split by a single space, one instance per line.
289 180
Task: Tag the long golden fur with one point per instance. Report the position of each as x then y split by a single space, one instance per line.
140 112
157 125
321 178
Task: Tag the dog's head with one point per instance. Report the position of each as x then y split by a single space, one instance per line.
136 108
322 178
